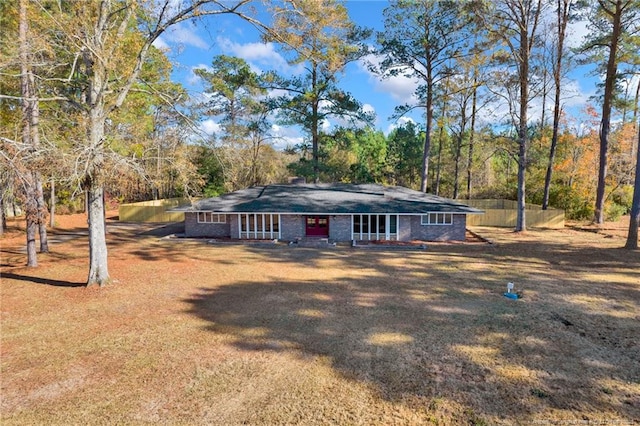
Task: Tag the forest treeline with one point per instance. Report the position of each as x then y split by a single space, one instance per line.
89 111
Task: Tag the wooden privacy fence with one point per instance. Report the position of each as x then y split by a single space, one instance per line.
153 211
504 213
496 213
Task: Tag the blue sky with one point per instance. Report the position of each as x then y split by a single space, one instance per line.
192 46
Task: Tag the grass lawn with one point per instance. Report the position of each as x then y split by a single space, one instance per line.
196 333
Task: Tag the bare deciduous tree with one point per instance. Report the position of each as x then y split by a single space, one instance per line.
110 38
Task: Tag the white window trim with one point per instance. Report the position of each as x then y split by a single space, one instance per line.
251 226
432 219
376 234
208 217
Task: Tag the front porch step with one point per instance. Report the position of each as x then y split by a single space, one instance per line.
313 242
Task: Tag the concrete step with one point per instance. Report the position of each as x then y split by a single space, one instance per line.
313 242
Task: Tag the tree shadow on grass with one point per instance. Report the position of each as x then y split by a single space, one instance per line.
164 229
444 335
370 333
38 280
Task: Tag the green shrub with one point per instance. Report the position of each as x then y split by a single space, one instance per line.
623 197
496 192
575 206
613 212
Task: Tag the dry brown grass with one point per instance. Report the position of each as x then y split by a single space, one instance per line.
194 333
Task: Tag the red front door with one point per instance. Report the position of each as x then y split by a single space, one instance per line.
317 226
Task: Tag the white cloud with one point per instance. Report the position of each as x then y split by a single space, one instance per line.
160 44
275 93
399 87
404 120
193 79
576 29
284 137
184 34
399 123
168 7
576 32
573 95
258 55
630 83
368 108
287 142
323 105
210 127
202 66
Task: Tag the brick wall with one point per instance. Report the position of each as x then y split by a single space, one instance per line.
292 227
233 225
453 232
404 228
340 228
213 230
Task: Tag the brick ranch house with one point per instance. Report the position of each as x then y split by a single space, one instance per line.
339 212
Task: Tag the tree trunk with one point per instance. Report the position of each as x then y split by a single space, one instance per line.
545 92
255 156
521 224
463 127
605 125
427 137
156 185
31 213
34 136
634 220
436 185
42 214
456 172
472 132
3 221
314 141
28 177
98 269
563 17
314 128
34 128
32 257
52 205
636 145
94 190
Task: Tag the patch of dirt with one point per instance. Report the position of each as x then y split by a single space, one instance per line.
618 229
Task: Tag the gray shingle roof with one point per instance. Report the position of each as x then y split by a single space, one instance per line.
329 199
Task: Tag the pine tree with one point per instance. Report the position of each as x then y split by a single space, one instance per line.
319 36
612 41
515 24
420 40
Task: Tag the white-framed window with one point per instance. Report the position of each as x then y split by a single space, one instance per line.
206 217
436 219
374 227
259 226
